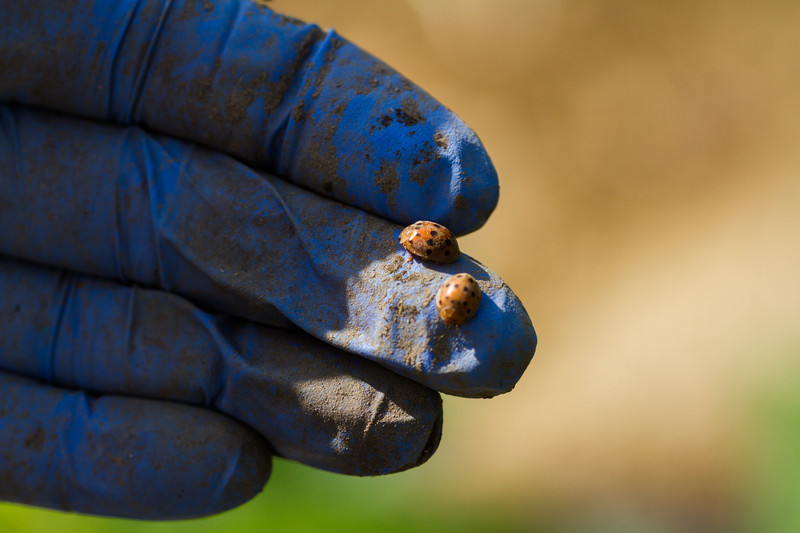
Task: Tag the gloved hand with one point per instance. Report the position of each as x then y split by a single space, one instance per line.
199 210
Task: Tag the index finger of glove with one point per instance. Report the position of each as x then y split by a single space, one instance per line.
275 93
119 203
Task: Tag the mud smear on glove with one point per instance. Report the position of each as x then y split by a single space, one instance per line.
251 245
280 96
312 402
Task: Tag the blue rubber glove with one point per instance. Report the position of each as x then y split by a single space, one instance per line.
200 268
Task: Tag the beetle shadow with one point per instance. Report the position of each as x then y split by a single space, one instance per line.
464 264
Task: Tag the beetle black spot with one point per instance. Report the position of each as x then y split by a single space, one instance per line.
434 233
430 242
465 289
447 242
437 225
428 251
447 252
447 285
473 293
455 286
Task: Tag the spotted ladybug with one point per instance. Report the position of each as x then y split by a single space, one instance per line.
431 241
457 300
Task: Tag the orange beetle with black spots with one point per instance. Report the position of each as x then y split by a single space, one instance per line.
458 299
431 241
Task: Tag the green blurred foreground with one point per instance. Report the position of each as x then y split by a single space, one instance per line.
300 499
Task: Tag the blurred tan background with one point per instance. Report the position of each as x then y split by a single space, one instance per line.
648 219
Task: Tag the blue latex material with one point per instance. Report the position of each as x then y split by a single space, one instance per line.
97 335
280 95
203 257
71 450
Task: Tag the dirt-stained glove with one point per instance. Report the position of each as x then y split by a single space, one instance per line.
200 266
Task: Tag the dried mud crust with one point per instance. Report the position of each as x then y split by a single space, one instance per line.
312 402
399 298
296 257
321 166
383 307
277 105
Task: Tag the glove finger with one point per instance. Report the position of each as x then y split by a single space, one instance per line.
120 203
313 403
121 456
273 92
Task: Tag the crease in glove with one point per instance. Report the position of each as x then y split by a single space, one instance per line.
313 403
228 238
280 95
